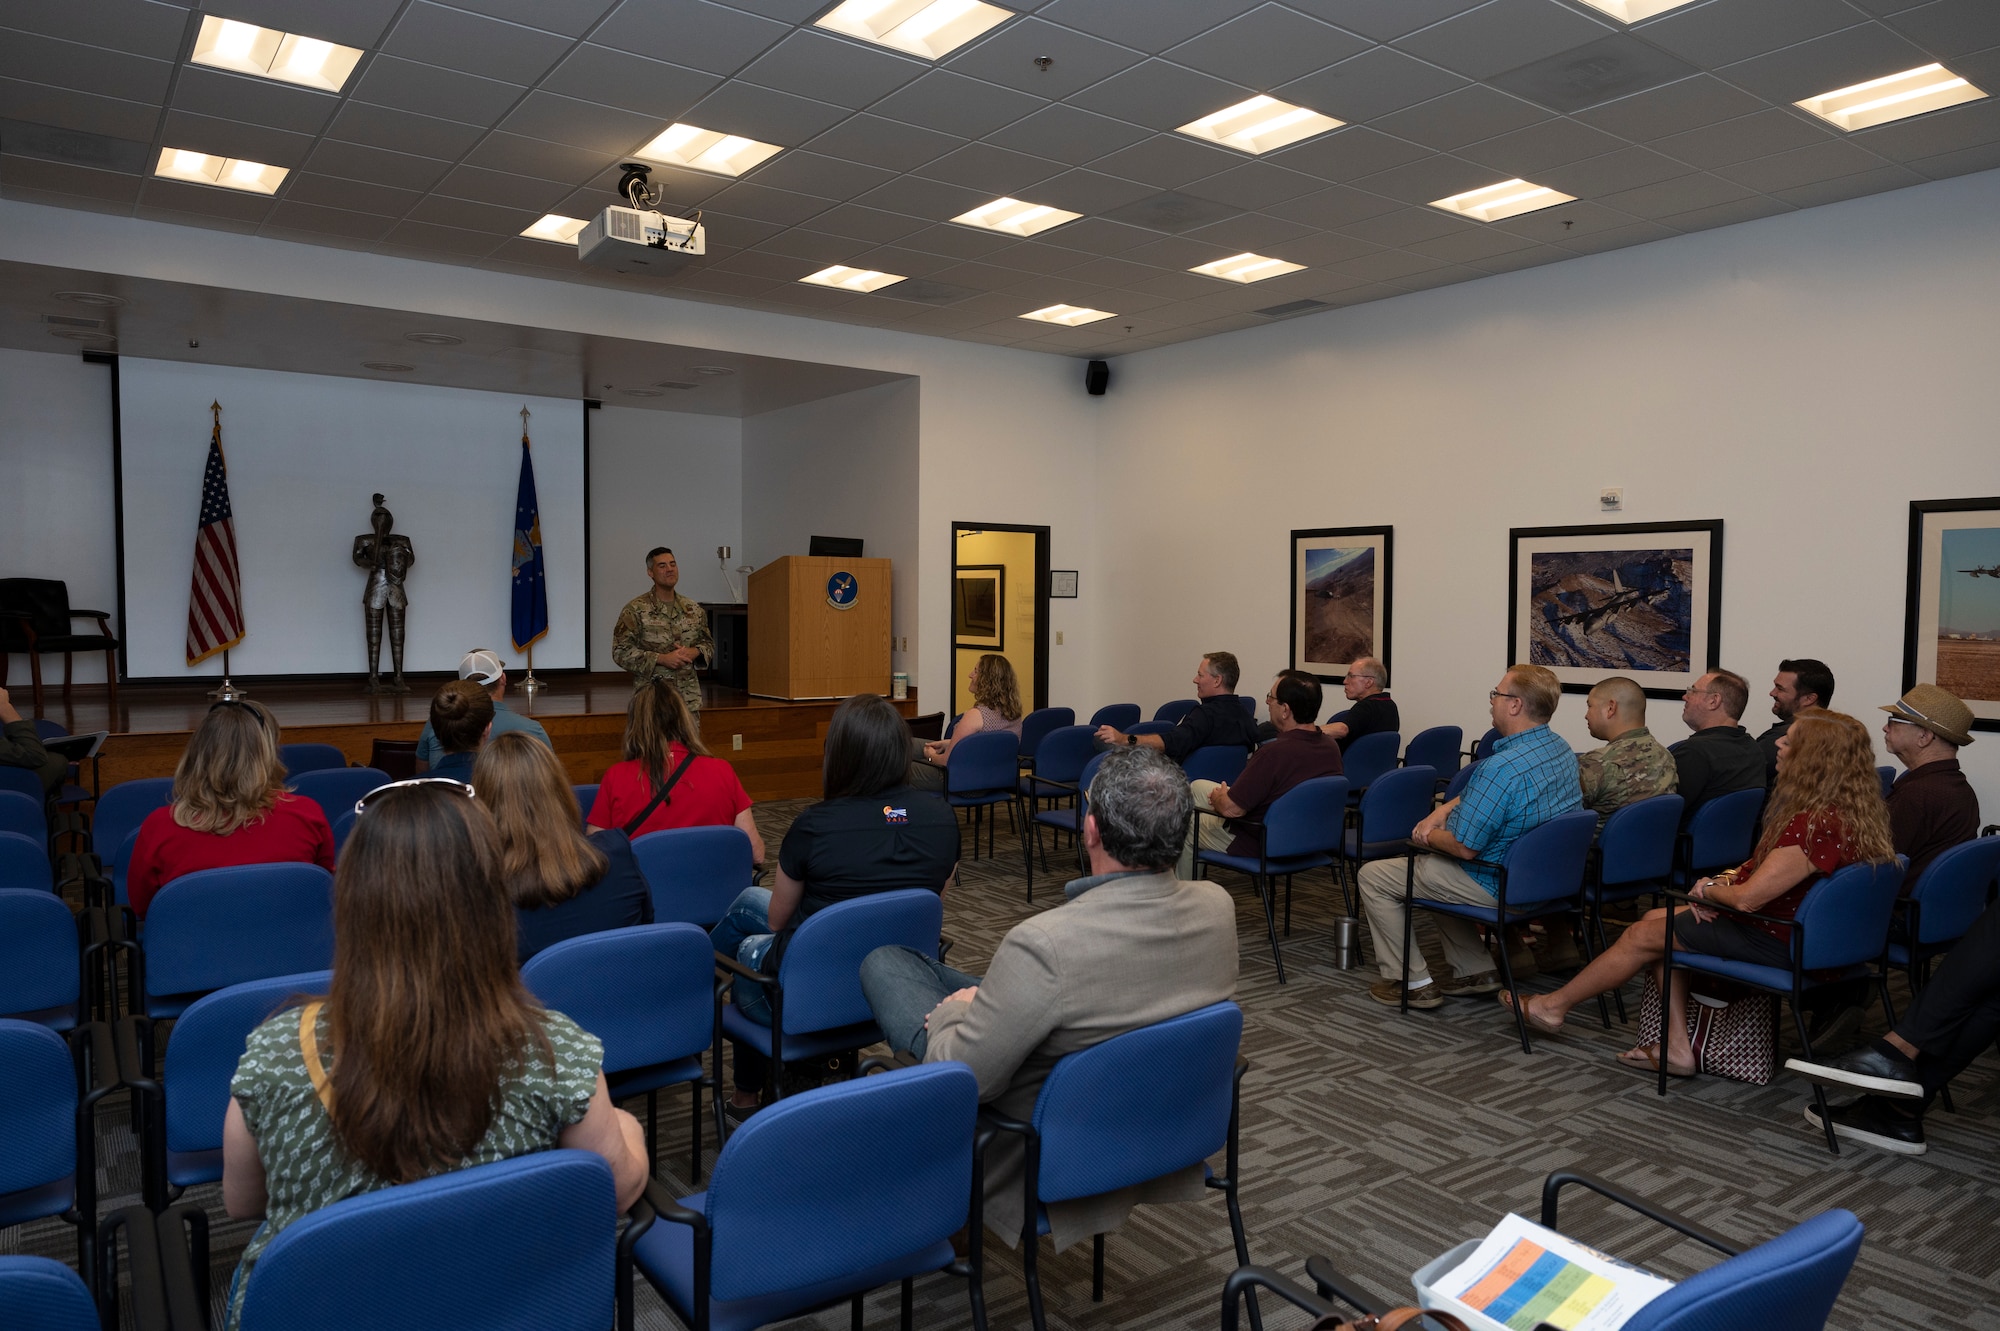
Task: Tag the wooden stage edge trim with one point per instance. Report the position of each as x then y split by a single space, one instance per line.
781 743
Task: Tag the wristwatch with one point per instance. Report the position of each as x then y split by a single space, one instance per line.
1131 740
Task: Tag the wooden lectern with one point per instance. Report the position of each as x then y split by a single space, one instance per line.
819 627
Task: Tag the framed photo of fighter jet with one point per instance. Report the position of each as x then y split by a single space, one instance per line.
1639 599
1951 619
1341 588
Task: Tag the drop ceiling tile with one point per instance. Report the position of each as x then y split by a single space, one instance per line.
1473 246
1684 194
1628 168
138 27
211 92
1725 31
1007 56
601 129
571 18
357 23
993 171
869 224
1538 148
1741 139
1319 251
468 216
218 218
828 177
402 131
955 104
86 112
1801 166
1883 8
1852 186
909 262
924 198
1673 109
1167 160
1334 207
501 189
1267 46
1435 177
536 157
474 43
94 152
770 267
1448 275
832 69
688 32
1255 185
1984 157
204 200
1250 231
764 113
959 242
1388 265
1177 253
1170 212
1068 134
1515 260
350 195
764 204
976 276
1981 68
1032 256
378 166
1953 129
1618 238
726 228
296 216
432 91
1951 27
1175 286
233 138
1553 225
1150 25
1371 84
86 68
811 246
27 173
1407 227
1502 35
429 237
630 82
1110 272
889 144
1593 74
1087 192
1095 235
1347 154
1823 64
1384 20
1728 214
1468 115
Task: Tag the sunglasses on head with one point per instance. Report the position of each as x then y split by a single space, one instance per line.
254 714
361 805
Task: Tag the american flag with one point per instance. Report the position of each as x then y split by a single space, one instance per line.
215 601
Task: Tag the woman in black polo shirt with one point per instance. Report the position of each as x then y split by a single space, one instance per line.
870 833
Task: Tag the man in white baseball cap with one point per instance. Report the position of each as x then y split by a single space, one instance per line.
485 667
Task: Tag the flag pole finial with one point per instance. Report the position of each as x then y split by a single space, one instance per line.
524 425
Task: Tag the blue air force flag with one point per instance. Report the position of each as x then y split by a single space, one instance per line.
531 589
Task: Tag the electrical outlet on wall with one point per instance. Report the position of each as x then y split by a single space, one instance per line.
1611 498
1059 640
736 741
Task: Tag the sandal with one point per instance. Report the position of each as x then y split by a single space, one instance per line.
1540 1025
1645 1058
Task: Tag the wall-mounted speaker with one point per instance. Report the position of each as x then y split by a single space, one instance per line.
1096 378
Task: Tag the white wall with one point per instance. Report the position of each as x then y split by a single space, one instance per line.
56 510
1803 378
660 478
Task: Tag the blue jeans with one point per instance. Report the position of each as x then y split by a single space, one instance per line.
902 986
744 932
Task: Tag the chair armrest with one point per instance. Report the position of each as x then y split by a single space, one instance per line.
182 1233
996 1121
1333 1285
661 1203
945 944
130 1040
1719 908
1244 1279
1553 1185
731 966
75 613
901 1058
142 1267
103 1070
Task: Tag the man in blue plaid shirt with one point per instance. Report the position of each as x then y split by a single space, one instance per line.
1530 779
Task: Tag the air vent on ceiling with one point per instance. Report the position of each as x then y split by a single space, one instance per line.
1171 212
1291 307
70 321
1588 75
926 292
24 138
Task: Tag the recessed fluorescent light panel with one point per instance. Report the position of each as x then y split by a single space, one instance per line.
1878 101
931 29
228 172
1631 11
1260 124
707 150
1069 316
223 43
1014 217
555 227
1247 268
851 279
1509 198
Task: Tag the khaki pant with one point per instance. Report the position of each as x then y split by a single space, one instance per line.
1440 878
1210 833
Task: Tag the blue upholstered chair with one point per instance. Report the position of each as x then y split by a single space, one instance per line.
20 781
1379 827
1117 715
116 821
49 1089
982 772
1634 857
1150 728
24 864
1370 757
208 930
1172 712
343 828
1719 835
302 758
22 814
1456 785
1439 748
1938 909
1068 820
1888 779
586 800
337 789
694 872
1483 746
1216 762
41 979
1058 770
1300 831
1036 727
41 1294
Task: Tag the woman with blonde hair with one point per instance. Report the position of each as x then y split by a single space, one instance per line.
230 807
996 705
427 1055
1826 812
669 778
563 881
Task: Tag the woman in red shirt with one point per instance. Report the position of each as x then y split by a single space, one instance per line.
660 735
230 807
1825 813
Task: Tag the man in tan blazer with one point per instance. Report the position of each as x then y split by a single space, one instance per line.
1132 946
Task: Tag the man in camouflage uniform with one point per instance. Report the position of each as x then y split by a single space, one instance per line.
1632 765
662 634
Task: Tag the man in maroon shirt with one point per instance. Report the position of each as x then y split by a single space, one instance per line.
1297 752
1931 807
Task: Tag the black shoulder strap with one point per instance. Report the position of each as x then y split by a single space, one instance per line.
659 797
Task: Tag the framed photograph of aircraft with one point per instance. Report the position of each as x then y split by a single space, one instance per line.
1341 587
1639 599
1951 618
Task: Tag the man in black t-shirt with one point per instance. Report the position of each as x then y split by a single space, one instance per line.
1719 758
1218 718
1374 711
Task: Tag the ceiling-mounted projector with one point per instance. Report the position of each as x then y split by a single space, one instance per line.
640 239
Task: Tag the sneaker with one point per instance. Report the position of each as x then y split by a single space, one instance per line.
1391 993
1873 1121
1469 986
1865 1069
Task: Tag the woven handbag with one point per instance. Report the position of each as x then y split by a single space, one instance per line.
1734 1032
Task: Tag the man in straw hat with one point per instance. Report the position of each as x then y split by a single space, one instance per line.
1932 806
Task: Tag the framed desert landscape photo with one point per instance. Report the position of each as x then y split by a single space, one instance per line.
1340 598
1640 599
1951 624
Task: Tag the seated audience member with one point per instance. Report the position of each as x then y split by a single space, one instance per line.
1373 710
230 807
1719 758
1632 765
1218 718
996 705
22 747
428 1055
1932 807
669 778
1297 752
1797 685
482 667
1131 947
1530 779
1825 813
563 882
461 717
871 832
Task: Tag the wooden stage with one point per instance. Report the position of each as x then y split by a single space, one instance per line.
779 757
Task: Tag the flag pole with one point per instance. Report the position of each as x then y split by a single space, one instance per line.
529 685
227 692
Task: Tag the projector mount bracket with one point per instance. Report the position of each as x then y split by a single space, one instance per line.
638 189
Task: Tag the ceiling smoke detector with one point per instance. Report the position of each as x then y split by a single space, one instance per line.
713 371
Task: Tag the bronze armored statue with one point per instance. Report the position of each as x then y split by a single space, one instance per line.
388 560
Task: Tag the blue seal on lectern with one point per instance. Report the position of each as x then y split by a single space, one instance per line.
841 589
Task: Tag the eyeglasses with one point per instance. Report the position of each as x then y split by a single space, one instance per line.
1496 693
361 805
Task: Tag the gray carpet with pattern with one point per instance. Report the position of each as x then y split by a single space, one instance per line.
1380 1140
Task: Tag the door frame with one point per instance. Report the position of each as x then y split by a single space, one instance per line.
1040 684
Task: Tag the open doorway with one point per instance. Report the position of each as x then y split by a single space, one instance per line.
1000 604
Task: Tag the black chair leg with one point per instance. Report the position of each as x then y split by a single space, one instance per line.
1805 1043
1513 991
1288 905
909 1309
1033 1278
1097 1268
854 1312
694 1131
1265 893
